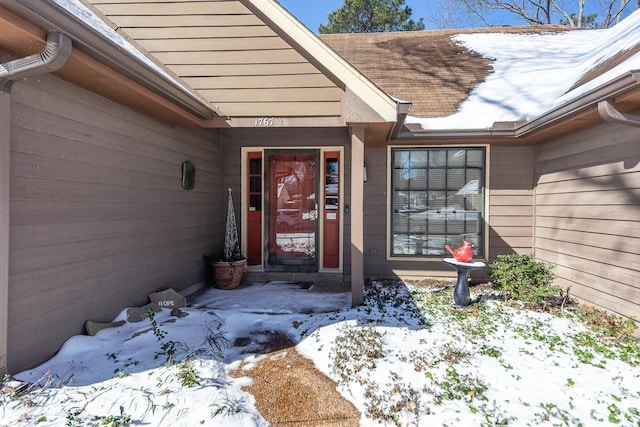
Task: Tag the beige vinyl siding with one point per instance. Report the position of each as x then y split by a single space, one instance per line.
98 216
375 212
587 215
228 56
511 200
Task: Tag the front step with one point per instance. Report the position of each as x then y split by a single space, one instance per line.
317 278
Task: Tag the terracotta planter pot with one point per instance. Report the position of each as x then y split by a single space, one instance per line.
228 274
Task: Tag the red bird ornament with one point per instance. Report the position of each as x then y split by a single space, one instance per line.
462 254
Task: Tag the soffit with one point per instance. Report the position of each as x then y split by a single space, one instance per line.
20 38
229 56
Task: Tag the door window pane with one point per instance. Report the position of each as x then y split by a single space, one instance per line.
292 210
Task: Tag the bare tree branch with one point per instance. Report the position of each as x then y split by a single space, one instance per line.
574 13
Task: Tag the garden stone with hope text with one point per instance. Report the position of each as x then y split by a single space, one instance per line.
168 299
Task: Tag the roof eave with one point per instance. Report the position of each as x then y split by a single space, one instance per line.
521 130
590 99
457 134
51 16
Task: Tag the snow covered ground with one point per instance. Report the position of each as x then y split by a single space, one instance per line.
406 357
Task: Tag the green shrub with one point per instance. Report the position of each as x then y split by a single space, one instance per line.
523 278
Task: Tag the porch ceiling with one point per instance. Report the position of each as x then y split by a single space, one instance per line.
252 61
229 56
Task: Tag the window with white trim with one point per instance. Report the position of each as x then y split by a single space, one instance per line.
437 197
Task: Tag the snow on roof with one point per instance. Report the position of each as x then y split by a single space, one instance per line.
535 73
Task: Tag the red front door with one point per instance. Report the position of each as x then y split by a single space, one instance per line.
292 210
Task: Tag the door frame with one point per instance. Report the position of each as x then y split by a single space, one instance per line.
321 209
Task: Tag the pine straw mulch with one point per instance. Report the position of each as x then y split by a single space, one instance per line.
289 390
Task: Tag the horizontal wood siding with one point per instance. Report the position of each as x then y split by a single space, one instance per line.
98 216
375 213
588 215
228 55
511 178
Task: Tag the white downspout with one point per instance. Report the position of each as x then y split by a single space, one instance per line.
5 149
53 57
608 112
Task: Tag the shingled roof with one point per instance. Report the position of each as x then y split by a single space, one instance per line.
426 68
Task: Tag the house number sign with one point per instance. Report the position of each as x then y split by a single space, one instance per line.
267 122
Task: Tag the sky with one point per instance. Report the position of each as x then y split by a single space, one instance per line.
313 13
436 363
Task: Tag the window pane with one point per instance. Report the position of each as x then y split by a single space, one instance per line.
255 184
436 198
455 179
475 158
417 201
438 159
331 203
401 179
255 203
418 179
456 158
419 158
255 166
400 200
401 159
332 166
474 174
331 184
437 179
